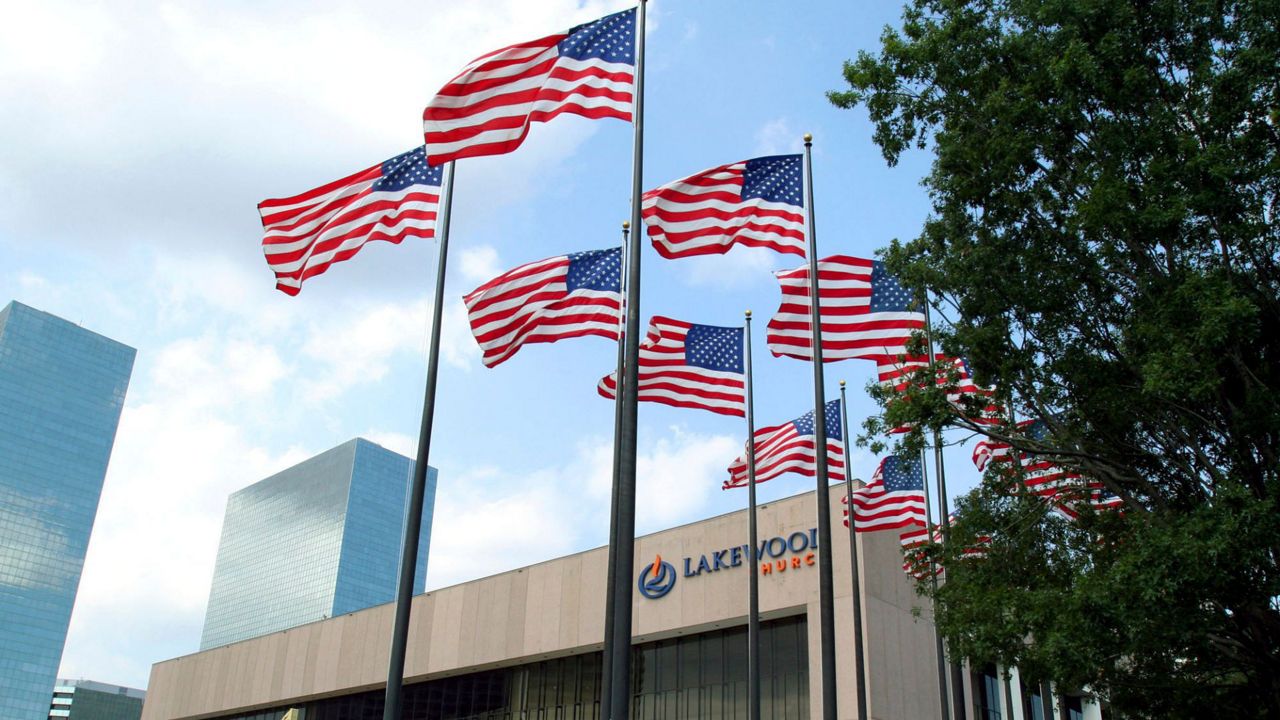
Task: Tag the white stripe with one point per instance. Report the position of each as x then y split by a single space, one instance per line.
306 233
380 225
337 193
523 286
544 82
523 109
543 311
675 226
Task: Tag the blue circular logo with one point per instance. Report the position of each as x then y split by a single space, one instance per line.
656 579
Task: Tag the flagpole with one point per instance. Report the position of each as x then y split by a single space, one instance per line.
944 512
625 495
606 657
413 518
933 579
753 584
858 660
826 603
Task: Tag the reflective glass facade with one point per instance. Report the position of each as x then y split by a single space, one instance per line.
319 539
61 392
694 677
88 700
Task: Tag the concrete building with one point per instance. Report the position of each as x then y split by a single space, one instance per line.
526 643
61 392
89 700
317 540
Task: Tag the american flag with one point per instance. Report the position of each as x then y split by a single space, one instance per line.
756 203
896 374
548 300
915 554
894 498
789 447
303 235
864 312
487 108
691 366
915 560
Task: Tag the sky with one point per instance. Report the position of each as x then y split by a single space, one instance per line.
140 137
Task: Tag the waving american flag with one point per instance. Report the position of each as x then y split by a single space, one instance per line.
303 235
865 312
561 297
790 447
894 498
488 107
756 203
688 365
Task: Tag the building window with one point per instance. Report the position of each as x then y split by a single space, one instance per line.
701 677
986 687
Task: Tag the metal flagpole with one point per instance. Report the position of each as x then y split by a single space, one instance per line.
753 584
625 496
606 657
933 578
826 603
944 512
413 519
858 660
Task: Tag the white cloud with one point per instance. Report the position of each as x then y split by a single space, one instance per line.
479 264
738 268
777 137
486 523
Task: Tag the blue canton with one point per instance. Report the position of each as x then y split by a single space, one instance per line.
887 295
595 270
612 39
804 423
714 348
774 179
902 474
408 169
1036 431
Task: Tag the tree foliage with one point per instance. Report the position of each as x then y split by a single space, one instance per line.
1103 248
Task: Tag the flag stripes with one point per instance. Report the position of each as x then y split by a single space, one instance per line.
545 301
864 312
755 203
790 447
704 373
488 107
893 499
304 234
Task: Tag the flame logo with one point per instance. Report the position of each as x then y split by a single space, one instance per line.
657 579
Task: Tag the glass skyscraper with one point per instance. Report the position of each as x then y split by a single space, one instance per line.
319 539
61 392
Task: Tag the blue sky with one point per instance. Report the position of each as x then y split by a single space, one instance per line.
141 137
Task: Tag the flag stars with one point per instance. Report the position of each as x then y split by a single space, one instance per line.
407 169
595 270
901 474
714 348
611 39
887 294
805 425
774 179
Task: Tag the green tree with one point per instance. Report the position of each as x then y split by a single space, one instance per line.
1103 248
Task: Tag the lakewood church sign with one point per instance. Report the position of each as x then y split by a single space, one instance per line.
776 555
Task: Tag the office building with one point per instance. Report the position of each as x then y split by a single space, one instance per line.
61 392
526 643
317 540
89 700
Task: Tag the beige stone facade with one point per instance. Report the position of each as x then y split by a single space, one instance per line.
556 608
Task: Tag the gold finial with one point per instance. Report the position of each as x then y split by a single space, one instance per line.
626 224
748 313
808 137
841 383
